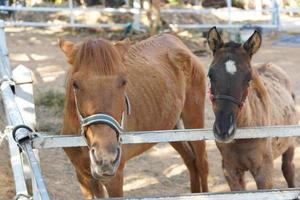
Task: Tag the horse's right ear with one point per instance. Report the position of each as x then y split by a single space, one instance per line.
214 39
66 47
122 46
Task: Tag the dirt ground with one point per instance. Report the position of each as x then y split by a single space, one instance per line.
159 171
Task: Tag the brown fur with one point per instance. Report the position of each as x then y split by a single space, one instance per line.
165 81
269 103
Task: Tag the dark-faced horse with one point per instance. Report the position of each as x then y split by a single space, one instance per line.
243 95
112 88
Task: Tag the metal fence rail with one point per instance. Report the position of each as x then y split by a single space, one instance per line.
70 11
289 194
55 141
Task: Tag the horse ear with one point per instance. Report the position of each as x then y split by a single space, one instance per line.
66 47
214 39
253 43
123 46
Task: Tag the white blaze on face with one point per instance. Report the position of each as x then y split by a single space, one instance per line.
230 67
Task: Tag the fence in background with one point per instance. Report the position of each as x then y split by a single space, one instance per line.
136 11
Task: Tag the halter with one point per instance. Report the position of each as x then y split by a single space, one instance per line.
232 99
102 118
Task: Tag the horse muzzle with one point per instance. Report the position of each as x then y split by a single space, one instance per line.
224 128
104 166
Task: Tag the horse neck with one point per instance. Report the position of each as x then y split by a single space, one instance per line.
256 110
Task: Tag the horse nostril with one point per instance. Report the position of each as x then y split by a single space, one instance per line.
117 156
95 157
93 153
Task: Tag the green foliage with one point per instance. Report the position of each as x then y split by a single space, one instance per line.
174 2
237 4
51 98
49 110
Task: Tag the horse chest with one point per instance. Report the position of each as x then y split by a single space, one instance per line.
244 154
280 145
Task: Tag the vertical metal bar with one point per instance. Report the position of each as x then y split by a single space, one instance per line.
71 6
137 14
229 6
15 156
258 6
3 49
38 179
276 14
14 118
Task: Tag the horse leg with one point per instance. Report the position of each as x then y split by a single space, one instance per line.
263 174
288 168
115 186
81 161
89 187
234 177
188 156
193 117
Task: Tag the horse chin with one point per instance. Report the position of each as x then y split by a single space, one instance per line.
227 137
101 176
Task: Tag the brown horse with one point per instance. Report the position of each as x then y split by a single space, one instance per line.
243 96
161 79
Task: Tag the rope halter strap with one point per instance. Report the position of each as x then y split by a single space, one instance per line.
226 98
102 118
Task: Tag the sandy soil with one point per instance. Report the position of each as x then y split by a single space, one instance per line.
159 171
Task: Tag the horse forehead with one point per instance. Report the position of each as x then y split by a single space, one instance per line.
230 67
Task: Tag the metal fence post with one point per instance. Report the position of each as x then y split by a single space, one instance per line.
276 14
71 6
137 14
15 118
15 156
3 48
229 6
258 6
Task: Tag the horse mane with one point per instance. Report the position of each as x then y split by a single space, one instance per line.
257 109
260 88
98 55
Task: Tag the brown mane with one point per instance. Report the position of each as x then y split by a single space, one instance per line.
258 101
99 56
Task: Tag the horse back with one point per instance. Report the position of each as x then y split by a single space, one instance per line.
278 85
158 81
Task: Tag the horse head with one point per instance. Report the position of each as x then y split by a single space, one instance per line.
96 99
230 74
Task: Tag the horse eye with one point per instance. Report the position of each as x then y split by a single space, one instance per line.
210 75
75 85
248 77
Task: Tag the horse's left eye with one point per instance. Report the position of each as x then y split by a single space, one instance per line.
211 75
248 77
75 85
